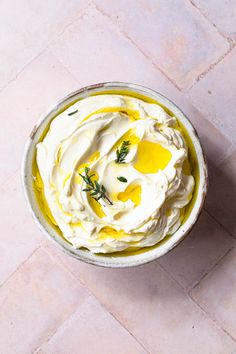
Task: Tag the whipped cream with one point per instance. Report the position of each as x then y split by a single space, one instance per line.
144 209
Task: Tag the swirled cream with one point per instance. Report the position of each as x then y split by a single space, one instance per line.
147 191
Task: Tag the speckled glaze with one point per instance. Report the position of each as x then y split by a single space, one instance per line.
117 261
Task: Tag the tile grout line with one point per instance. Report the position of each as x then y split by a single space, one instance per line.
202 308
126 36
43 247
68 25
64 66
20 266
61 263
219 223
14 78
55 330
229 40
191 298
209 69
211 318
183 288
191 287
204 275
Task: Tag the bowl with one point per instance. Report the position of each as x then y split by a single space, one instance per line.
120 259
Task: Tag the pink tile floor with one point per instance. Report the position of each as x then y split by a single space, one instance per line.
184 303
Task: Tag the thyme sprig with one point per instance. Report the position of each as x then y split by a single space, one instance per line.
122 152
97 190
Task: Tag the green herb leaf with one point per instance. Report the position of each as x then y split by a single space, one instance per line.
122 152
122 179
71 113
96 188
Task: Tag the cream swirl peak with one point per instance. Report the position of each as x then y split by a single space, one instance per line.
112 168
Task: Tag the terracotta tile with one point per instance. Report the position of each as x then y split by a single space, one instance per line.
224 19
217 293
24 101
34 302
222 193
102 334
24 36
183 45
214 96
106 54
198 253
151 306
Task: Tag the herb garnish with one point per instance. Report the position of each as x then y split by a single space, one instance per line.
122 152
71 113
122 179
97 190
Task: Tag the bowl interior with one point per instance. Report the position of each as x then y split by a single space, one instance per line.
120 259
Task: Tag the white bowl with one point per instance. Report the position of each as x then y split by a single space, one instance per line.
124 259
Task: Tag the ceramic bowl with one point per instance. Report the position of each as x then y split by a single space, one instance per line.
123 259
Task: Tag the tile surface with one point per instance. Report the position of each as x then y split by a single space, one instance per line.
36 89
221 13
182 303
217 293
199 252
24 36
90 65
222 193
37 299
177 38
214 95
101 334
114 63
151 305
18 236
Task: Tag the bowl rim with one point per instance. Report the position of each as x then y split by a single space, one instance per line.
112 261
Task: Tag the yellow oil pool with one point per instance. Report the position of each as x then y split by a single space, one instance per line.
151 157
132 192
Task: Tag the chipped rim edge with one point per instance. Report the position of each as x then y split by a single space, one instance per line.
87 256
